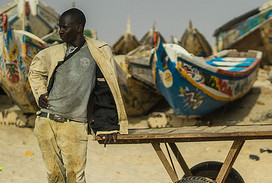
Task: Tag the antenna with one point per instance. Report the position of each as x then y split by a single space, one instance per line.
73 4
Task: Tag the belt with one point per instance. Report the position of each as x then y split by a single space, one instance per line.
54 117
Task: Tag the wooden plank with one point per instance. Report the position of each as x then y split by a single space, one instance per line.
184 129
167 166
229 161
151 130
193 134
233 129
181 160
188 138
202 129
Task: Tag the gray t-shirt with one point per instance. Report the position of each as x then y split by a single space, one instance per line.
73 84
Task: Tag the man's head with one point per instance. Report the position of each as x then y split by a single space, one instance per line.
71 24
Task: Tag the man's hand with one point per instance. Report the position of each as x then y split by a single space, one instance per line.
108 138
43 101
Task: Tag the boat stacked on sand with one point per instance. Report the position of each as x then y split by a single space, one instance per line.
194 42
195 86
252 30
139 98
22 24
17 50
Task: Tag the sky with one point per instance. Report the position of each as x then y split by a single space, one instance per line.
171 17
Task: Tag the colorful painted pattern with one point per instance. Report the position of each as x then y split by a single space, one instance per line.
194 88
251 23
16 53
227 38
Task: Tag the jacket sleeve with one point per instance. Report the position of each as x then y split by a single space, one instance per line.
38 76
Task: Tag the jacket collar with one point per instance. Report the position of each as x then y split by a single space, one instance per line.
95 43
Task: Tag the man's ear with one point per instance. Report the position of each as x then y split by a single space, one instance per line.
80 28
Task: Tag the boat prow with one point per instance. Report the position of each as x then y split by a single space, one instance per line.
196 86
18 48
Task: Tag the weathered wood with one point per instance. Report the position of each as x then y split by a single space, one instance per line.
167 166
238 133
194 134
194 42
181 160
229 161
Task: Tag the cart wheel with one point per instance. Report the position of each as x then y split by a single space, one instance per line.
195 179
211 169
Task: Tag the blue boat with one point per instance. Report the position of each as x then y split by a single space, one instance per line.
195 86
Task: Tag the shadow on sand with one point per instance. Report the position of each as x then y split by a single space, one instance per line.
235 111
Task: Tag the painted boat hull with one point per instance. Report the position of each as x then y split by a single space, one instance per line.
253 32
17 49
138 97
194 88
32 16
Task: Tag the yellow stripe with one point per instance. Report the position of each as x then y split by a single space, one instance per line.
24 48
193 82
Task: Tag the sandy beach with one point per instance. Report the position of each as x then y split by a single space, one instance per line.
21 162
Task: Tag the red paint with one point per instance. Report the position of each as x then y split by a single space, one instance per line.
224 87
27 8
156 38
12 73
5 22
242 73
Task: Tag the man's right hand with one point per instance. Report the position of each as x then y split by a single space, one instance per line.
43 101
109 137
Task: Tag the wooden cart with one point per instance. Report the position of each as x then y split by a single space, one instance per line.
238 134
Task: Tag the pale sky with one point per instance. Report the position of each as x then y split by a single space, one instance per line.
109 17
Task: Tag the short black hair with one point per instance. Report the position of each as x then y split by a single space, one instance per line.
77 15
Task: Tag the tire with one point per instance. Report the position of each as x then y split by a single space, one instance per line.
196 179
211 169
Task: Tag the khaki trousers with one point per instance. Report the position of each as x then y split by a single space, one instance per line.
64 149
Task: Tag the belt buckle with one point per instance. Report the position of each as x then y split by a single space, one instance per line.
59 118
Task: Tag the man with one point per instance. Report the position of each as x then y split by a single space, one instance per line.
74 83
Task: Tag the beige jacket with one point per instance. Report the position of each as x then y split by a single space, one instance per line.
44 63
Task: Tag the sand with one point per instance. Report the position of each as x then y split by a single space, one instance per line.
21 162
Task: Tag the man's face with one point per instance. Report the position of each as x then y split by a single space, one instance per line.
68 29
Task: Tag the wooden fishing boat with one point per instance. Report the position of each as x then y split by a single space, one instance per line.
32 16
251 30
17 49
24 23
194 42
139 97
194 86
126 43
148 37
